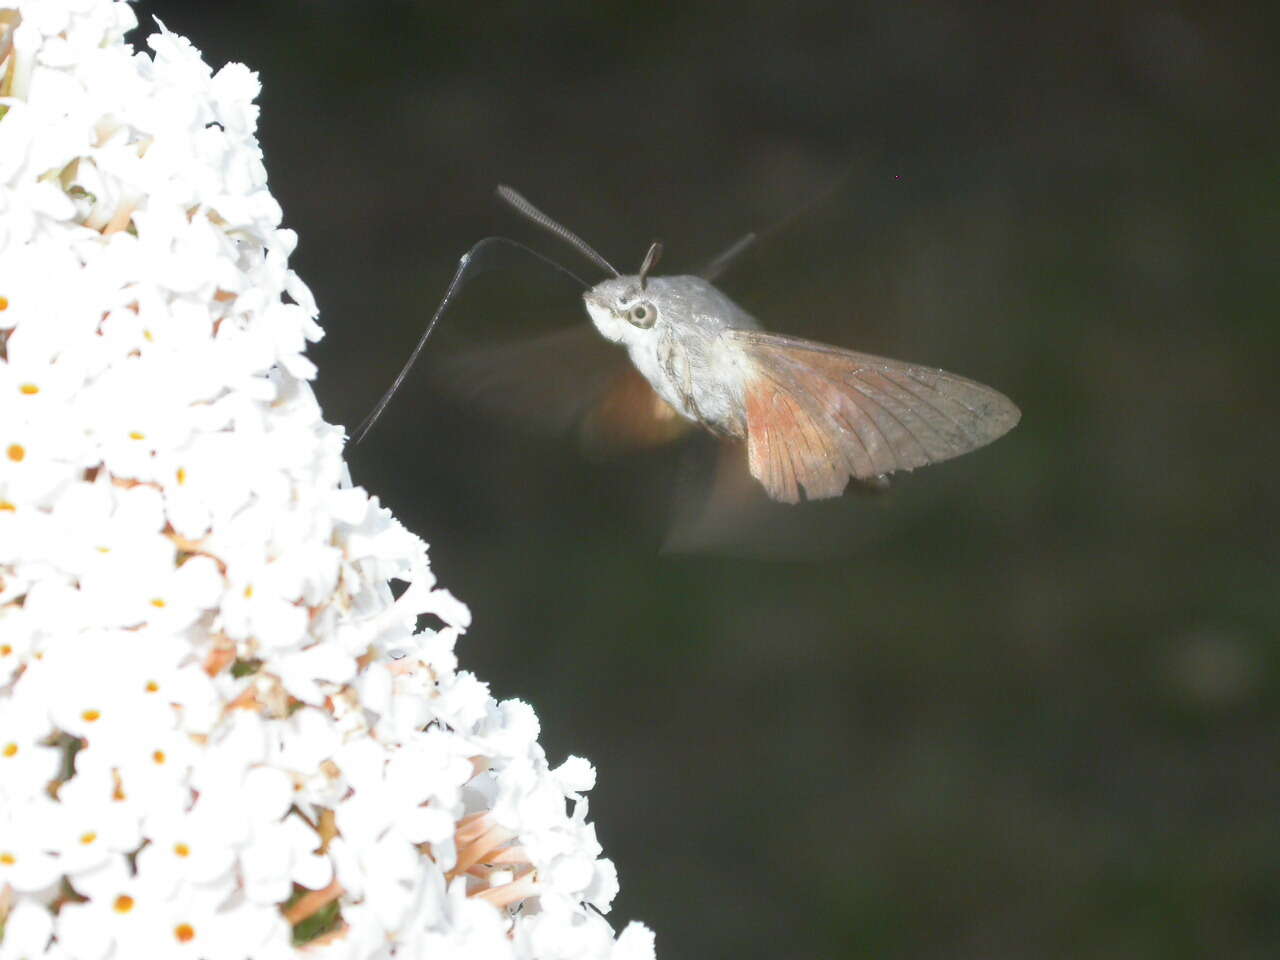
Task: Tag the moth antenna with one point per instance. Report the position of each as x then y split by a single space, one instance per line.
473 262
527 209
650 260
723 260
726 258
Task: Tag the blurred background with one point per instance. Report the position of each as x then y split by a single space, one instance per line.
1031 706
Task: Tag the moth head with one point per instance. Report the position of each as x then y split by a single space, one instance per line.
621 310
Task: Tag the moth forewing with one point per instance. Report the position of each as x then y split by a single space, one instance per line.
818 415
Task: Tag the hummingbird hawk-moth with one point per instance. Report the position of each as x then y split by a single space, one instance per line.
812 416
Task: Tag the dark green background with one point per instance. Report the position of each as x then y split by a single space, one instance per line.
1032 709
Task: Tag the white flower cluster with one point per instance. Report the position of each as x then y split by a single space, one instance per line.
220 735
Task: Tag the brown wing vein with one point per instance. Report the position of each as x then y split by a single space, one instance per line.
970 431
988 425
923 456
871 469
890 456
966 436
791 457
911 373
888 445
908 408
797 474
900 457
806 463
928 402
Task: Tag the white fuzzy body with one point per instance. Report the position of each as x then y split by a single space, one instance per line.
682 355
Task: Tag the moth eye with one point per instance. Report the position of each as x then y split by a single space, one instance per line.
642 315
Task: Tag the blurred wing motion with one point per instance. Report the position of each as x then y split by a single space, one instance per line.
629 415
719 509
818 415
562 382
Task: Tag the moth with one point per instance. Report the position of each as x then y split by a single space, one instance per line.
812 416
